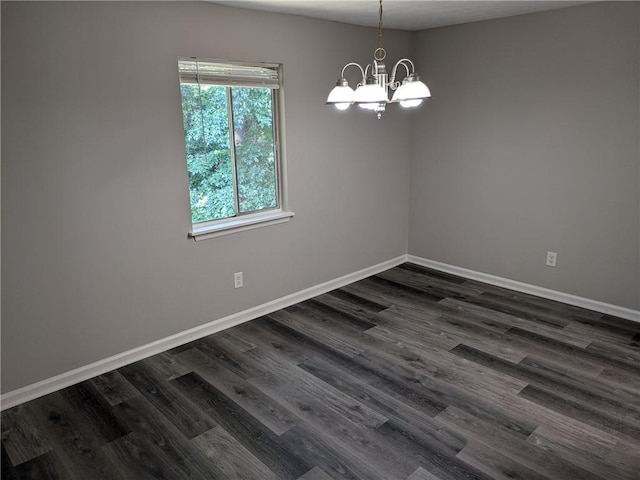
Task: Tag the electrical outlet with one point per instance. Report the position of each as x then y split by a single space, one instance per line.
551 259
237 280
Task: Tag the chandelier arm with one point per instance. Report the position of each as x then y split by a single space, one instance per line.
354 64
413 67
392 80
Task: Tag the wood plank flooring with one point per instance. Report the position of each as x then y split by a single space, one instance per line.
411 374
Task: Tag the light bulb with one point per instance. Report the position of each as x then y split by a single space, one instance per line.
410 103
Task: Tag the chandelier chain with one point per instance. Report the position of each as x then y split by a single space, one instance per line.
380 26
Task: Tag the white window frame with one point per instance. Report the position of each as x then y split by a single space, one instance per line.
247 221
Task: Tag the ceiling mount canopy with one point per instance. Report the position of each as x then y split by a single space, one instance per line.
372 93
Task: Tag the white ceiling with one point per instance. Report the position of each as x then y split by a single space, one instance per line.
402 14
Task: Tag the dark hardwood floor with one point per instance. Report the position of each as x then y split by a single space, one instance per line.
411 374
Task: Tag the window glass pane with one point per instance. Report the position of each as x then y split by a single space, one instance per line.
254 148
206 126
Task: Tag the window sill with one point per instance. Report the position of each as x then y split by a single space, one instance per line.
239 224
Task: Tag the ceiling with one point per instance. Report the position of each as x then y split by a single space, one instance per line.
402 14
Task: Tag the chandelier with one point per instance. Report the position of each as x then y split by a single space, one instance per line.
372 93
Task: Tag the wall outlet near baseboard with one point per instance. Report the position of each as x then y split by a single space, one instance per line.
551 259
237 280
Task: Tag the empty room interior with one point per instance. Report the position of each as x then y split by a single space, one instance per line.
446 292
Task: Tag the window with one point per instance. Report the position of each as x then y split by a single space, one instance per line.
231 130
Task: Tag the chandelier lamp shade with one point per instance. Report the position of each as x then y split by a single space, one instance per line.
373 91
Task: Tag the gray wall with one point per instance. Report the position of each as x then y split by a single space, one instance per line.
95 207
530 144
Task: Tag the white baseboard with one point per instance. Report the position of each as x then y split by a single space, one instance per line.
622 312
100 367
